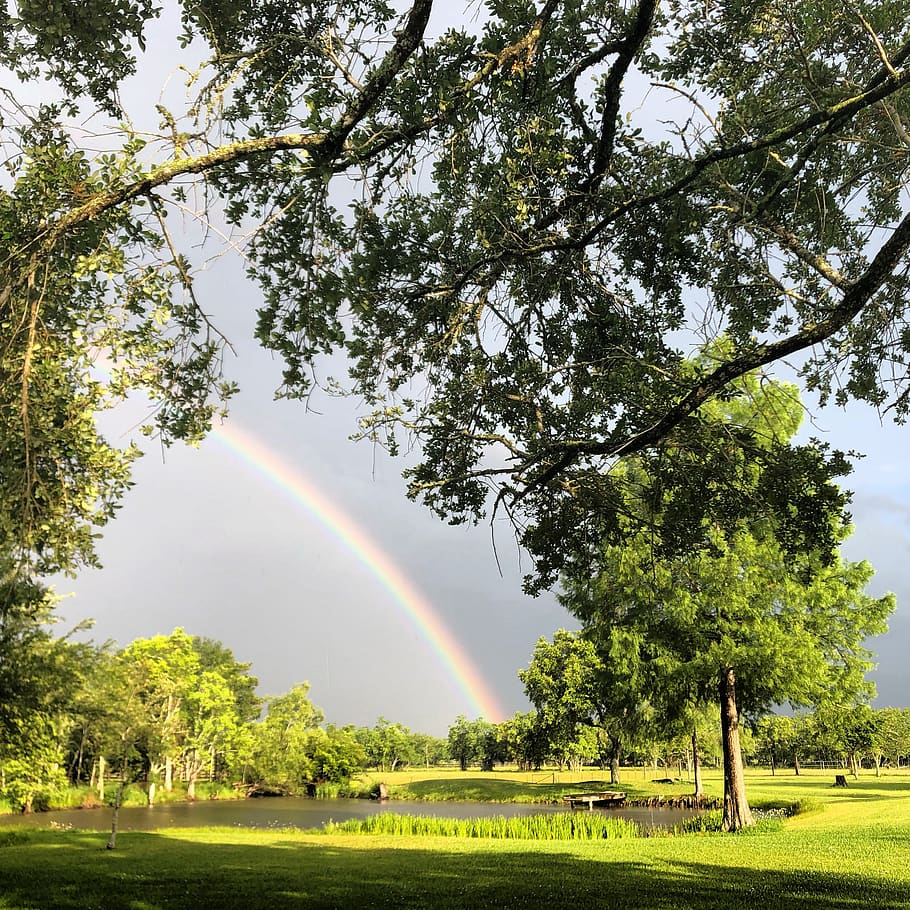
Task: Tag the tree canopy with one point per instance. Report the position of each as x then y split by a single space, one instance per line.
515 228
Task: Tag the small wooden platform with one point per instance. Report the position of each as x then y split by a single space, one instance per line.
606 798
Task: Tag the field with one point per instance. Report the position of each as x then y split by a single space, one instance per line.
852 851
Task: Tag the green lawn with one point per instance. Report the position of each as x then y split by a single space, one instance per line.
507 786
854 853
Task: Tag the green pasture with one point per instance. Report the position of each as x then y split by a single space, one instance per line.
508 786
852 852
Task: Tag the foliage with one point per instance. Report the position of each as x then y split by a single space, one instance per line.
524 240
282 751
387 745
188 690
894 736
522 740
848 730
37 672
588 702
474 742
744 622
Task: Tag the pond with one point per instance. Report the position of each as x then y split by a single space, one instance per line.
287 812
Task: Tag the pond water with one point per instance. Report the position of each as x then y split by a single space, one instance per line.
287 812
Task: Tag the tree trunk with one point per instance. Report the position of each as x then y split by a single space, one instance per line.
737 813
115 818
615 746
101 778
796 763
168 773
696 766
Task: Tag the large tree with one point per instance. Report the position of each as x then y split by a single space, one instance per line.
743 626
548 204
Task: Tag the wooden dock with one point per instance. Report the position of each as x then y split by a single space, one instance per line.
605 798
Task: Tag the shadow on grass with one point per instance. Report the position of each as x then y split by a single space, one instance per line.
822 783
58 871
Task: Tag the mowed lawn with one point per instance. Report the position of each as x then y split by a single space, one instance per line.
852 853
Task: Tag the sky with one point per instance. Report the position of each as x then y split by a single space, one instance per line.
298 549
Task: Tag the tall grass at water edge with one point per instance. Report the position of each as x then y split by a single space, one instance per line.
555 826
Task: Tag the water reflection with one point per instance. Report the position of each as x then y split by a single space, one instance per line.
307 813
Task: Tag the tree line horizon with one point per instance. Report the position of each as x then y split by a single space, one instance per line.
180 712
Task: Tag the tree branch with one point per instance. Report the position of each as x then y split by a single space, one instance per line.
855 298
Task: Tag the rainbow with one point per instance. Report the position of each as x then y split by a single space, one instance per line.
342 527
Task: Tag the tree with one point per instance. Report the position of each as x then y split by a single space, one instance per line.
748 620
573 685
163 670
40 677
776 739
744 628
432 749
525 239
463 742
198 701
387 745
848 730
337 755
215 657
894 738
559 681
212 725
290 748
523 740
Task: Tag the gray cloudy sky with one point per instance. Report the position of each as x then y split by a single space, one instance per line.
205 542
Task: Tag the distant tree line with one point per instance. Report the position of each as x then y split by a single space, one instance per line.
180 712
171 711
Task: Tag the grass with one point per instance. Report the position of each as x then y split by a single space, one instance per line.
506 786
561 826
850 850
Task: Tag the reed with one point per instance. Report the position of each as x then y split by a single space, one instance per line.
552 826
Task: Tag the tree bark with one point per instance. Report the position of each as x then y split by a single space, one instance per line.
615 746
168 773
696 766
737 813
115 818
